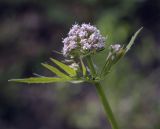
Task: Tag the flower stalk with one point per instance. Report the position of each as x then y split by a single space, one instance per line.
102 95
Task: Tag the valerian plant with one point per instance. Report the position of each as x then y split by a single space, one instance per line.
82 42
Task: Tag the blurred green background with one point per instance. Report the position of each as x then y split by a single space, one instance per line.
29 32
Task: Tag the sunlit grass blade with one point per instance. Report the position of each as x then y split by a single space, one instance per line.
56 71
65 67
132 40
83 67
39 80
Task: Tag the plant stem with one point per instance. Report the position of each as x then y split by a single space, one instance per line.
106 105
102 96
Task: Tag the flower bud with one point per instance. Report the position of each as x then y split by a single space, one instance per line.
115 51
115 48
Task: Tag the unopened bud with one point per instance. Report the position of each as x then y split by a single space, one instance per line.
115 48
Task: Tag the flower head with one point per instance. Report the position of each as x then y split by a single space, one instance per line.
82 40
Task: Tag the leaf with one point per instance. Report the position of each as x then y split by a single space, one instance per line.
39 80
132 40
83 67
65 67
56 71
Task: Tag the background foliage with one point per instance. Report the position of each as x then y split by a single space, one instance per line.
29 32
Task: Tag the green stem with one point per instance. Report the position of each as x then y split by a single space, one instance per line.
90 65
106 105
102 96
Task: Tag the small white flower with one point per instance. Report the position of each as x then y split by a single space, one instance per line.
82 38
93 37
87 46
83 34
74 66
74 30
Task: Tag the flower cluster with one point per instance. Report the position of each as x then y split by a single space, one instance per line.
82 40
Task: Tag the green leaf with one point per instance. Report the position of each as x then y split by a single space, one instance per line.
56 71
132 40
39 80
65 67
83 67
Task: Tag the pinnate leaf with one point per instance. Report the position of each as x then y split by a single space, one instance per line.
56 71
65 67
40 80
132 40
